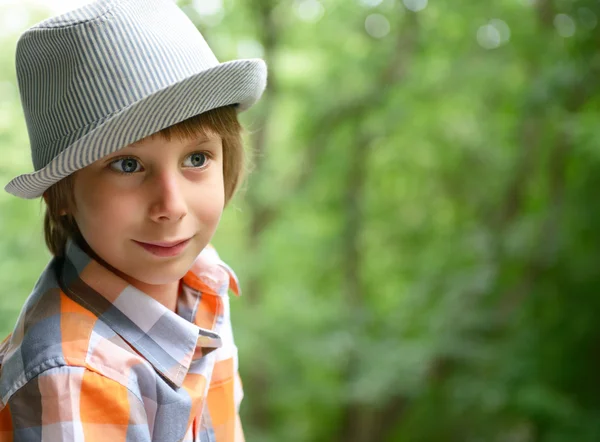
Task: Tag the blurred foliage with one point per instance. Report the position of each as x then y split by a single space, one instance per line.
417 242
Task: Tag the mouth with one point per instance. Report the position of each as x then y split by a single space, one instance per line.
164 248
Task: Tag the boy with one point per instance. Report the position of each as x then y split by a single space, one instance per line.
136 147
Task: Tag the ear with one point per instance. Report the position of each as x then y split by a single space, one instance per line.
63 212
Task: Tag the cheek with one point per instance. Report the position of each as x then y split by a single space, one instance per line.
206 199
99 211
209 207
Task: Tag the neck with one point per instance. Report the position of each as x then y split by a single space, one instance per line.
166 294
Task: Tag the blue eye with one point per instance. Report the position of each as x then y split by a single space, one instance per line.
197 159
125 165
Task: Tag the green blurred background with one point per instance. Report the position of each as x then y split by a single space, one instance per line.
416 243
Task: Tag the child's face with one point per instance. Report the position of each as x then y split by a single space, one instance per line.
174 192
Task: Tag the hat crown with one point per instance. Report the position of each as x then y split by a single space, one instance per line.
77 69
77 16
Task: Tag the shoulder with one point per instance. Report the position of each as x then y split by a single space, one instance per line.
52 333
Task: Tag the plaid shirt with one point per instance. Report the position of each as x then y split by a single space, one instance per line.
94 359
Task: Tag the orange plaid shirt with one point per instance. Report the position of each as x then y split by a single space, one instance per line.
94 359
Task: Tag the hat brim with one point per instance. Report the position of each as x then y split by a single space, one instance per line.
240 82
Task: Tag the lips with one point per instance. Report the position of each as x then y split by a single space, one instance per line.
164 243
164 248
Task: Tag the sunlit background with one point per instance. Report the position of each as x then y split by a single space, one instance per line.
418 243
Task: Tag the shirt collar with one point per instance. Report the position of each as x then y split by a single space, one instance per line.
168 340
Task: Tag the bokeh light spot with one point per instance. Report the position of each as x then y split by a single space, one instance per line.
208 7
502 28
250 49
415 5
210 12
565 25
488 37
370 3
377 25
587 18
13 20
309 11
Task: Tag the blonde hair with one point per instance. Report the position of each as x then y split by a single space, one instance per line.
59 223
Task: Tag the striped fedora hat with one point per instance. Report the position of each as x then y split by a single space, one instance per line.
110 73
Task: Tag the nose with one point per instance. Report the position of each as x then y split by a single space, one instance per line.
167 197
